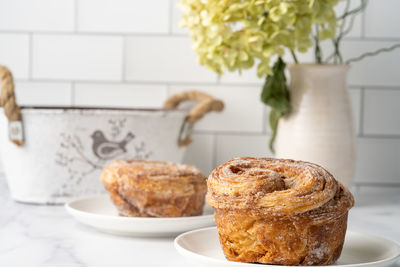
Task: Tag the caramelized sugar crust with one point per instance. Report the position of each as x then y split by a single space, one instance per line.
142 188
277 211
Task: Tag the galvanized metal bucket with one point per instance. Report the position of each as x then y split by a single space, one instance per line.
51 155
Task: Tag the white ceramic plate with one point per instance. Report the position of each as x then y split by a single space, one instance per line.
100 213
202 248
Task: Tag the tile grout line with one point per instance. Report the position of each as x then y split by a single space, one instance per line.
30 64
258 133
72 93
194 83
172 35
363 22
264 120
380 184
379 136
144 82
362 109
76 13
127 81
358 188
95 33
372 39
219 82
237 133
170 16
214 151
123 59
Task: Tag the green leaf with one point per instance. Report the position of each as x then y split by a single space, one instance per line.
276 95
274 117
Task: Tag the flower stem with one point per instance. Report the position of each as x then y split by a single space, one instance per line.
294 56
373 53
318 55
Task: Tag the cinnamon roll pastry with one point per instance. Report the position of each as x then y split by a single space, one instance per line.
142 188
278 211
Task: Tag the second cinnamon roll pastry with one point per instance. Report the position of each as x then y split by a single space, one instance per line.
142 188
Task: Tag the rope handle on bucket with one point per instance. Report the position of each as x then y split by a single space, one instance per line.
206 104
10 107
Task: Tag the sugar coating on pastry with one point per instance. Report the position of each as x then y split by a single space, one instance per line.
279 211
144 188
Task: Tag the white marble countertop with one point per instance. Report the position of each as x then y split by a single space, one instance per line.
34 235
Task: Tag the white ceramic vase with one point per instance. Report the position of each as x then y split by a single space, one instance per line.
320 127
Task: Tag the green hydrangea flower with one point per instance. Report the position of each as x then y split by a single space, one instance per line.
235 34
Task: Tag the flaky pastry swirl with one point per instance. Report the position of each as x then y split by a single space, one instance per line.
277 187
154 188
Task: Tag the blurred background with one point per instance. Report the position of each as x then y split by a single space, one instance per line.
132 53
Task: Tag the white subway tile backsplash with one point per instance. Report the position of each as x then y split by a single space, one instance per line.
245 77
243 111
14 53
378 160
176 18
200 153
381 69
77 57
164 59
123 16
382 19
381 112
231 146
119 95
132 53
43 94
356 27
37 15
355 101
378 191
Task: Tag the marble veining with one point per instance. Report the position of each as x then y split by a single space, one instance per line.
44 236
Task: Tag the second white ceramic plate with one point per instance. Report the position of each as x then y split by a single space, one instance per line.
100 213
202 248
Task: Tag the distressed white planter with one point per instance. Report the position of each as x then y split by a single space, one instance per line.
51 155
64 149
320 127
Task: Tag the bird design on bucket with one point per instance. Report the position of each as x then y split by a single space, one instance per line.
105 149
83 153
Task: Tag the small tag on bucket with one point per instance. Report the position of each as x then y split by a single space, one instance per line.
15 131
